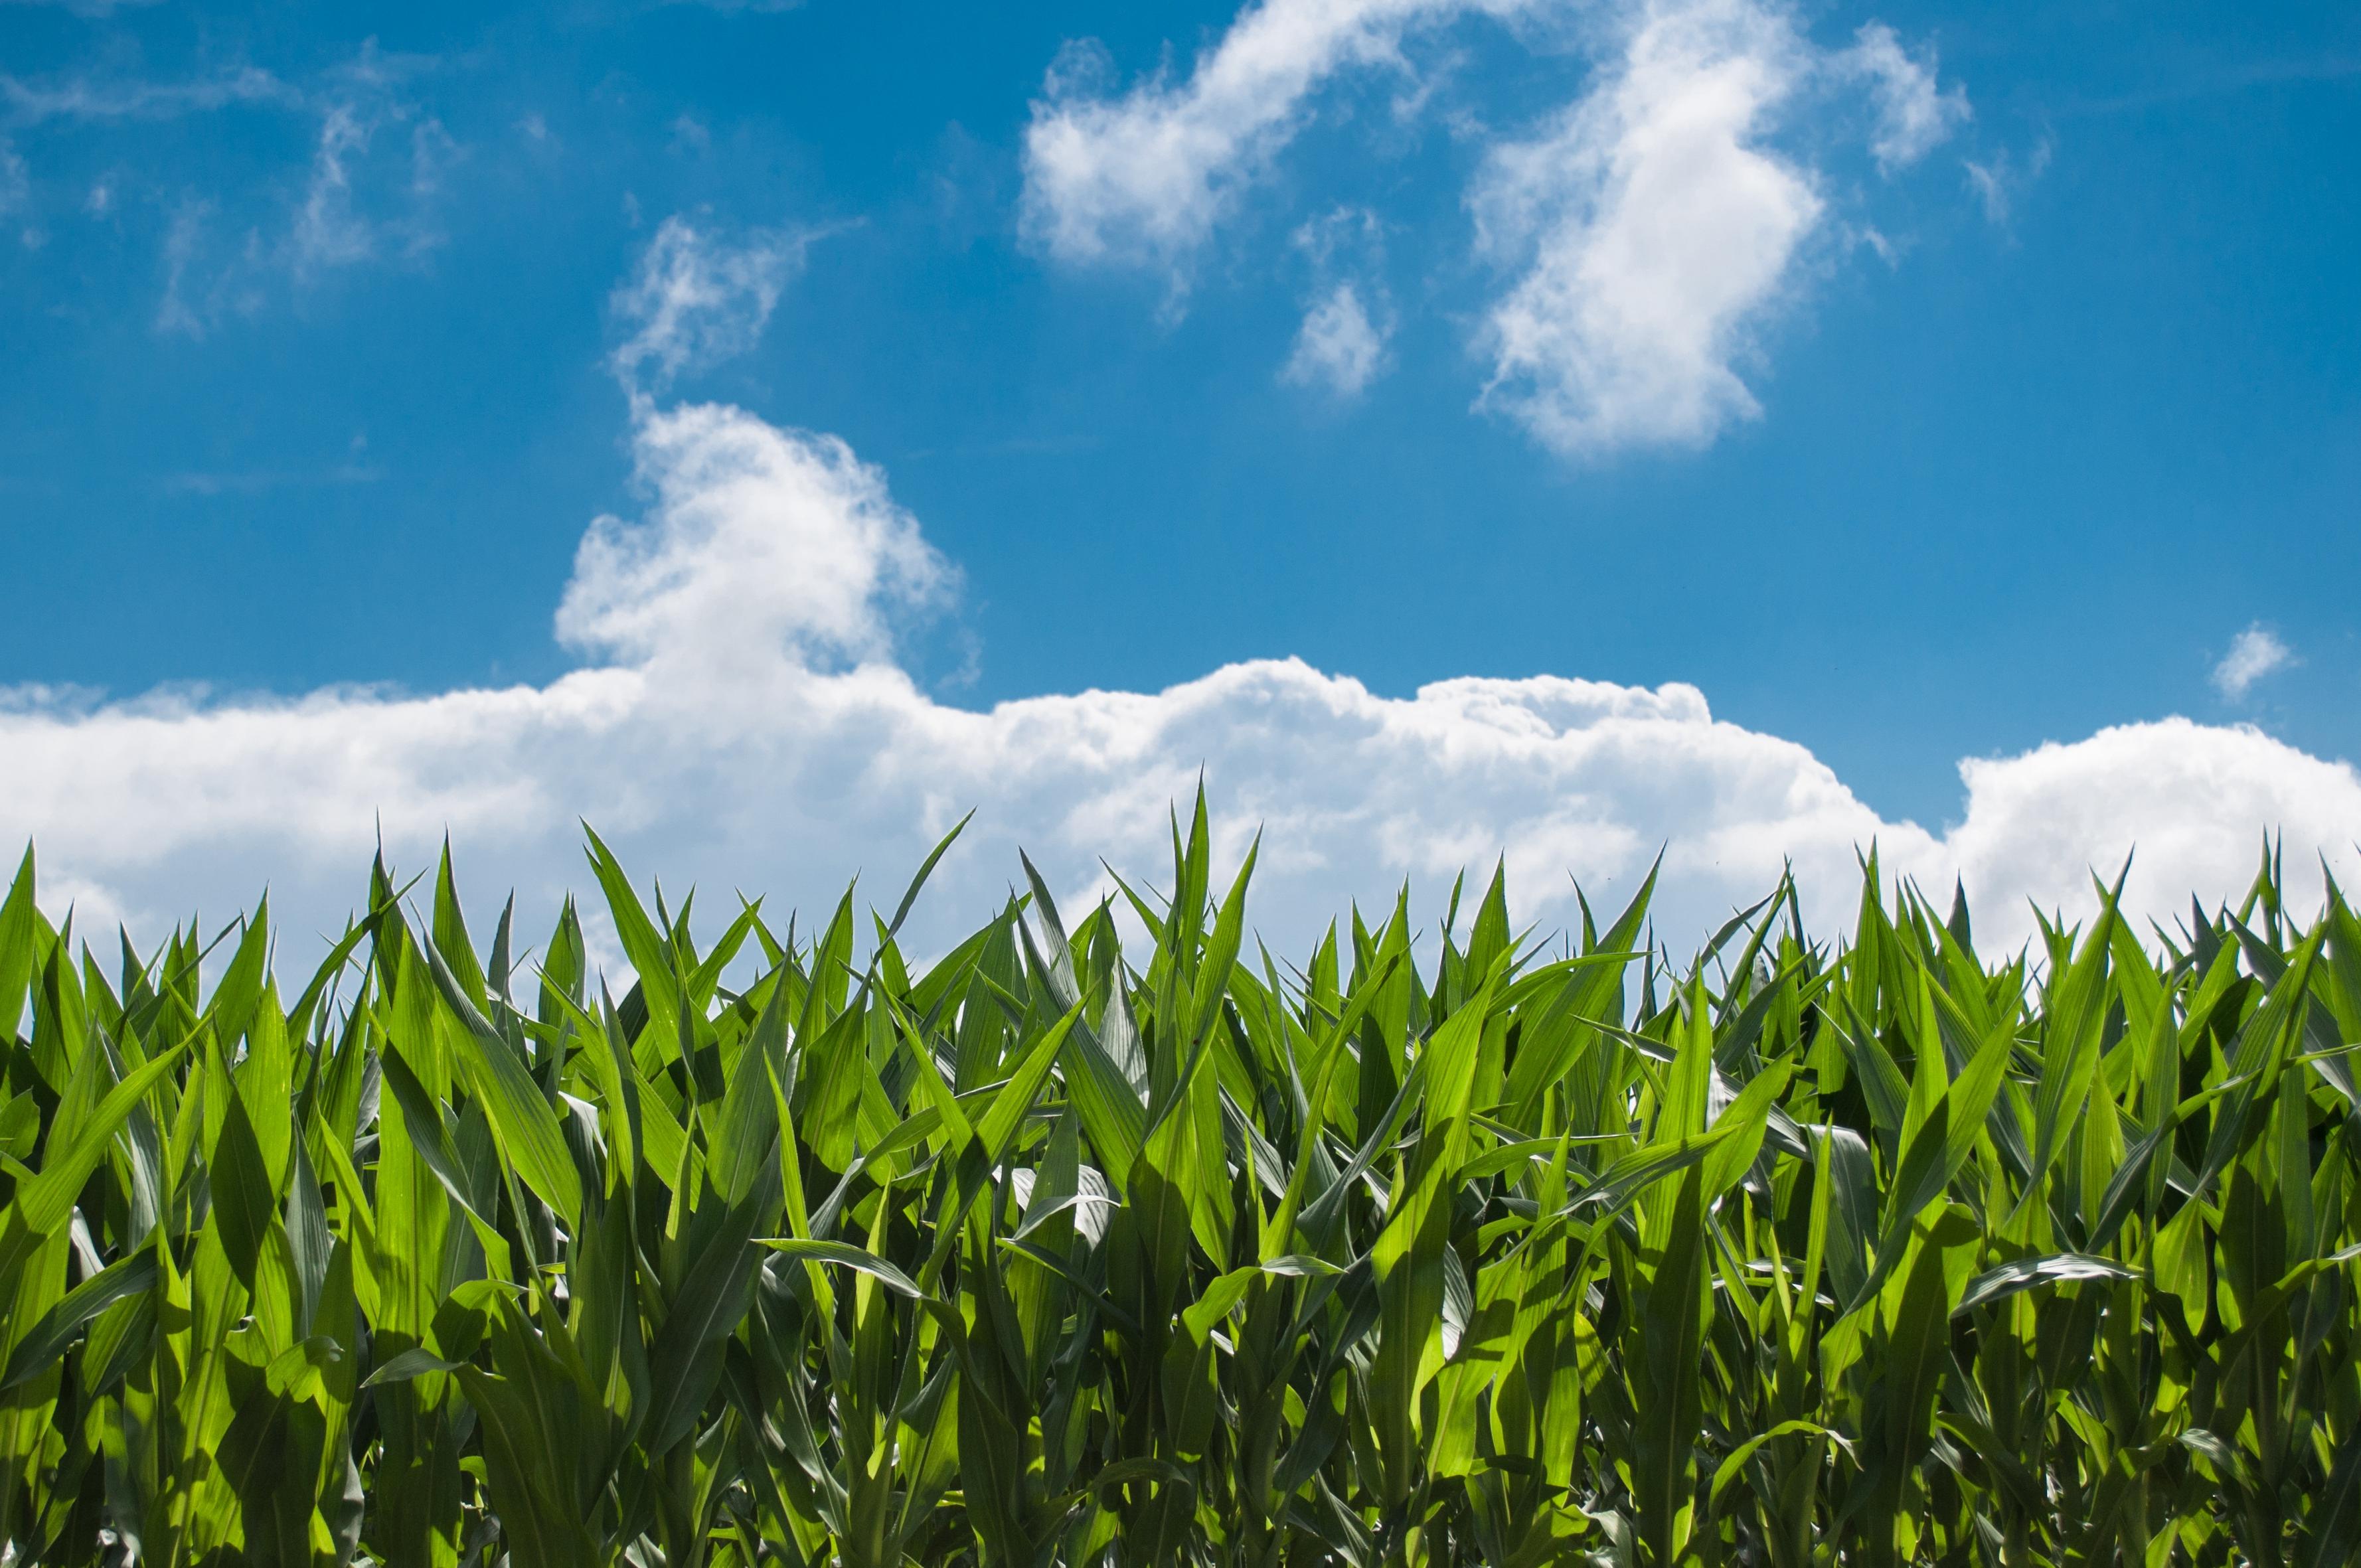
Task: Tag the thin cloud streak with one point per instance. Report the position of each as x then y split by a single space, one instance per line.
90 8
260 481
85 98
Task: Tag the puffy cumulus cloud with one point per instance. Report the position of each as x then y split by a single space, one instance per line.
698 298
763 545
151 807
747 729
1655 230
2193 801
1144 176
1647 230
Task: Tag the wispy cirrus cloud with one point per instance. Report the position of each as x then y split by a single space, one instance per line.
1915 113
700 296
375 162
105 98
180 311
92 8
334 227
2001 180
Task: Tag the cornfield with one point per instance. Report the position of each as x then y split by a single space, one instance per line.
1505 1247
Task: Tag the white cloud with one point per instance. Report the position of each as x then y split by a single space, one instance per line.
1652 226
89 98
2001 180
765 546
16 183
1349 316
697 299
326 233
334 227
1338 347
1655 231
2254 653
1144 177
375 170
1914 113
746 727
2193 801
259 481
93 8
177 313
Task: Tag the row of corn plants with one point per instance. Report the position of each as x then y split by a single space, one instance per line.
1497 1248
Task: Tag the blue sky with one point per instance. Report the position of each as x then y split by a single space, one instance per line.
2038 402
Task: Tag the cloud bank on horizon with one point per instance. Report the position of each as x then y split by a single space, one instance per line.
740 722
740 719
748 728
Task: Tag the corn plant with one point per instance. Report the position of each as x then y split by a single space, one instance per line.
1457 1245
